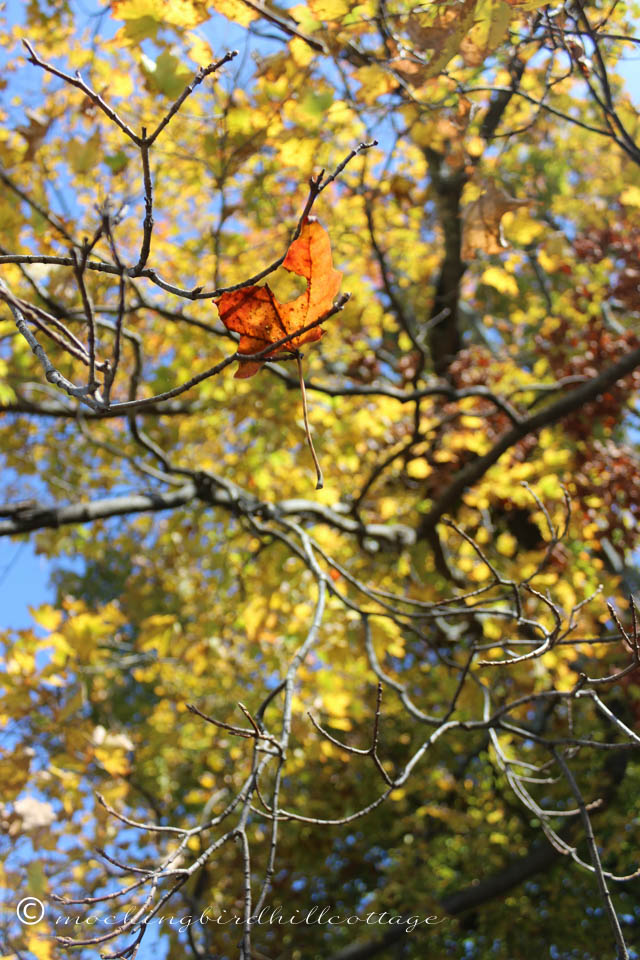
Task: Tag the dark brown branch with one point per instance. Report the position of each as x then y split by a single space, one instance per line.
555 412
443 334
316 186
501 100
202 73
539 859
147 226
79 83
288 26
49 217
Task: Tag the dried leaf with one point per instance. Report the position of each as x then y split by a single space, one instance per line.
439 30
482 228
34 134
256 314
492 22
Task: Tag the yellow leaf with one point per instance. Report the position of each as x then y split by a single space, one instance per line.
506 544
341 723
301 52
419 469
491 629
522 229
479 573
337 704
475 146
548 263
114 762
500 838
396 649
297 153
237 11
200 51
492 21
120 84
502 281
40 946
375 82
387 507
47 617
176 13
590 530
439 29
21 662
631 197
329 9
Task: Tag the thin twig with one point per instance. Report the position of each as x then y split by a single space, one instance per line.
319 477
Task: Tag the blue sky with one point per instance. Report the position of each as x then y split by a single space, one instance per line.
24 581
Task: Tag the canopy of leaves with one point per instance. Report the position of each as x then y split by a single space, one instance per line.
402 695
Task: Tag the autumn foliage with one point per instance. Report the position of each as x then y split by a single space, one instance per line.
411 232
261 320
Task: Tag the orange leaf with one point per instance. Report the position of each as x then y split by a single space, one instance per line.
260 319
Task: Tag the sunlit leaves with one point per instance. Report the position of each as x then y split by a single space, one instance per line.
197 604
143 18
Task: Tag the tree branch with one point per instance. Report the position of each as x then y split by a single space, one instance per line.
207 489
477 468
443 332
29 408
35 516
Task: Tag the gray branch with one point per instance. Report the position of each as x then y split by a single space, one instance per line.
31 515
35 516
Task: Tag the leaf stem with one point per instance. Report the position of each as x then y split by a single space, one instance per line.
320 478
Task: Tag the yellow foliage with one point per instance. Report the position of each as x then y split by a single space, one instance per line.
40 945
200 50
329 9
177 13
114 761
337 703
212 603
521 228
501 280
301 52
630 197
47 617
419 469
506 544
